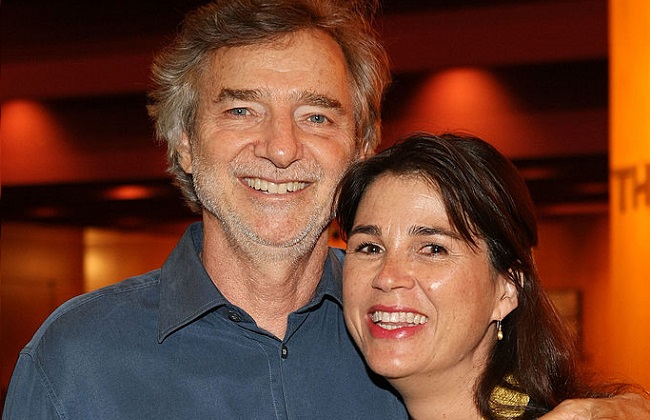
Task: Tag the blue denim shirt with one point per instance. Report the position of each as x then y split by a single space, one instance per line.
168 345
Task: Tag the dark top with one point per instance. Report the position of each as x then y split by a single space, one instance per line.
168 345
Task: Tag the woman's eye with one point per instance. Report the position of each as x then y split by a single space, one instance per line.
368 249
435 249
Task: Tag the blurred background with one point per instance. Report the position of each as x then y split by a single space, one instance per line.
86 200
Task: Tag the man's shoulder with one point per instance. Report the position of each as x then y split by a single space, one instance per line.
337 255
338 252
92 314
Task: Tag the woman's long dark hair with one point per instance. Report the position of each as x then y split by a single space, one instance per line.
486 198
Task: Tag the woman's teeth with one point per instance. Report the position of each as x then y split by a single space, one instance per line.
393 320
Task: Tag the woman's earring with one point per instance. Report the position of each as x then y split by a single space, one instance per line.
499 331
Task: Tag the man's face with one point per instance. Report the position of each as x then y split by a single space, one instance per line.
275 132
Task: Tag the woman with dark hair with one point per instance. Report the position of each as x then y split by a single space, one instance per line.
440 288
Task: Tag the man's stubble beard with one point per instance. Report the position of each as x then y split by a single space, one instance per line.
244 239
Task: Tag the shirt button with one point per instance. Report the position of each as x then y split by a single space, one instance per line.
285 352
234 316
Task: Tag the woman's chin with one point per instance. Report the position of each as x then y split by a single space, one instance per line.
391 369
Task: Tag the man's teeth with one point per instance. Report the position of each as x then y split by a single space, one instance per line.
273 188
393 320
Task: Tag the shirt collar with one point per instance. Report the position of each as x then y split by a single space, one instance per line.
187 292
331 281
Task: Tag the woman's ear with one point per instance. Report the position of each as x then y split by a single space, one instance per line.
506 297
184 151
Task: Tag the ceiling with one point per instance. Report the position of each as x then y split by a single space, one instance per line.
88 61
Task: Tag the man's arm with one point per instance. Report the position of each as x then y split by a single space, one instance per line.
28 397
626 406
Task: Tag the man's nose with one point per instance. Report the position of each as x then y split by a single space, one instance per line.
280 143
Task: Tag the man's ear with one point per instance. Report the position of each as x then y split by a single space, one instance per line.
184 150
506 298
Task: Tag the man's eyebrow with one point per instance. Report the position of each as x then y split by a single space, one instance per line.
237 94
316 99
365 229
309 98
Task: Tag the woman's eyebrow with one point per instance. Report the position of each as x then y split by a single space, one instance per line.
366 229
431 231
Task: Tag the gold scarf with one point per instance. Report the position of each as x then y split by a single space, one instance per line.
507 403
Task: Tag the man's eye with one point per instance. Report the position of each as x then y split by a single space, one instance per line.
318 119
238 111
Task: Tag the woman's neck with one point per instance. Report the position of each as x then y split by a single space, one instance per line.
449 396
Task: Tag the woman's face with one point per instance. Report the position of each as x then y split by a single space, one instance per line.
418 299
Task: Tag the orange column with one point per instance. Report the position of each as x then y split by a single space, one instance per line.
628 326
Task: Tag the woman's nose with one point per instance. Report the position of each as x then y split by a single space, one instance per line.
394 274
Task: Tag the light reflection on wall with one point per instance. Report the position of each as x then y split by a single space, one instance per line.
471 101
113 255
476 101
33 143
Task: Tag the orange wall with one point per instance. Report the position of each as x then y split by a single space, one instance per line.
112 255
629 300
572 254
